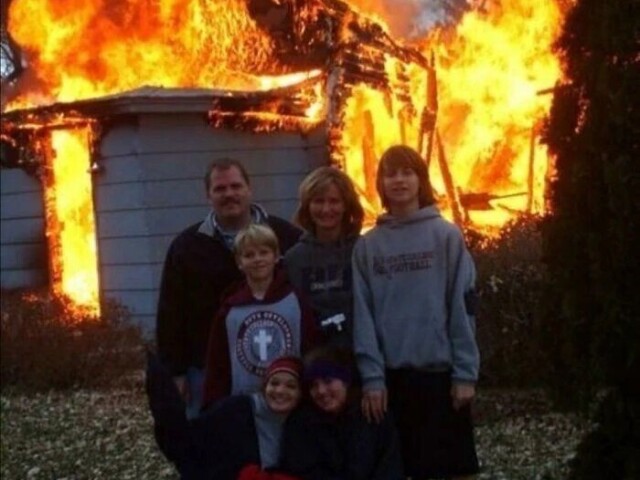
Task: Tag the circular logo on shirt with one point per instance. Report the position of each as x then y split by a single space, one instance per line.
263 337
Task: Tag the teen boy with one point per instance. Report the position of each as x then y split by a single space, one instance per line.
261 319
414 324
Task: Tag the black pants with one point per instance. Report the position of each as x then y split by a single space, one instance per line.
436 440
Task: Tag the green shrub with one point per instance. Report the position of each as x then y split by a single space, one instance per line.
591 238
509 286
44 345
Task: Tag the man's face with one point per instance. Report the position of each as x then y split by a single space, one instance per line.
229 195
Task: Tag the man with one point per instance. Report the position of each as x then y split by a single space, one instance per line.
199 267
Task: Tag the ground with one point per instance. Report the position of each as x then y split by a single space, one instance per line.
107 435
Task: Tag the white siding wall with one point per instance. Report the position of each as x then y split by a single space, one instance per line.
152 188
23 248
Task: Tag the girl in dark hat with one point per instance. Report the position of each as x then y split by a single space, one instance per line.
330 438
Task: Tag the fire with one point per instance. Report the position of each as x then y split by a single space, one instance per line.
489 74
81 49
70 217
486 163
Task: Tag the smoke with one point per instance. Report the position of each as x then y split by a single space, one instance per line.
411 19
400 15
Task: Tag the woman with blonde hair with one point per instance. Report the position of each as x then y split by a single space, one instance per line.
319 265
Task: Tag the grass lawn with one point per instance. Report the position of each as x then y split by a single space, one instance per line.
107 435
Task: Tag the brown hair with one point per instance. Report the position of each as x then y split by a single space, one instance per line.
224 164
255 234
315 183
401 156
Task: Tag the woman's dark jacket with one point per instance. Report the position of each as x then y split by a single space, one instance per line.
320 446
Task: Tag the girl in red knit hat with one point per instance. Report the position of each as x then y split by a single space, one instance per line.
236 439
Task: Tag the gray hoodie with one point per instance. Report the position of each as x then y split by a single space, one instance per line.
322 271
411 277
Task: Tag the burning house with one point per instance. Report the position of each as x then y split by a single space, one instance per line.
120 179
98 179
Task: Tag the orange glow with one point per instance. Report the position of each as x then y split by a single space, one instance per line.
372 124
486 164
489 67
81 49
489 74
70 218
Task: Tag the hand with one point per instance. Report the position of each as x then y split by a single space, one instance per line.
182 384
374 405
462 394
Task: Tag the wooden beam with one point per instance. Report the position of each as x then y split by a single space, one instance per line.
531 172
448 182
369 159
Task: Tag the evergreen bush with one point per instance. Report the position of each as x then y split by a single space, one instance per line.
509 286
591 320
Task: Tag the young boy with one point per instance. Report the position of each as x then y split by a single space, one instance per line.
261 319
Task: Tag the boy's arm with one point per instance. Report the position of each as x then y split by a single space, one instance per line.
365 340
461 308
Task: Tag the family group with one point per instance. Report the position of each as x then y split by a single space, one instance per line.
309 350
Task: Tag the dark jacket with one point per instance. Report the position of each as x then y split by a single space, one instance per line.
198 269
218 372
320 446
214 446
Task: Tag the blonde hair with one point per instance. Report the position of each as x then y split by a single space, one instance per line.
314 184
256 235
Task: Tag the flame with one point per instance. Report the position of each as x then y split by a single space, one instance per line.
490 68
486 164
372 123
80 49
70 218
488 78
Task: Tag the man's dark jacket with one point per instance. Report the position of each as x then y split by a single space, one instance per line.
198 269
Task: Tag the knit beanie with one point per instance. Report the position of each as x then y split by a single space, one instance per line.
288 364
327 369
